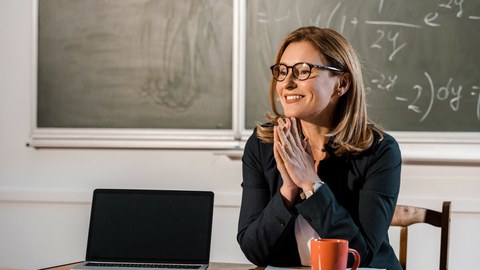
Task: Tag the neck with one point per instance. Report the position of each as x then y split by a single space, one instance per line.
315 134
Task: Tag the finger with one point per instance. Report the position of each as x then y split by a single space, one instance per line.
295 133
290 137
280 122
284 146
278 138
276 142
279 160
285 139
285 125
288 124
279 134
280 154
276 152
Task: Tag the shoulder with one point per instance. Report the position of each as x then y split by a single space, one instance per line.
383 153
256 150
385 143
382 166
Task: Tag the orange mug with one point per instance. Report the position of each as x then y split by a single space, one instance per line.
332 254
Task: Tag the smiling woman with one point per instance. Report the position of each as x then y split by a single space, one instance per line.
320 168
340 82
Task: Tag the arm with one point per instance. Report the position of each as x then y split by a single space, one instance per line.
265 230
376 203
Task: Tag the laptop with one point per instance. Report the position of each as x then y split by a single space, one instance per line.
149 229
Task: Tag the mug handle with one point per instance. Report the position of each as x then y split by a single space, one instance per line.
356 263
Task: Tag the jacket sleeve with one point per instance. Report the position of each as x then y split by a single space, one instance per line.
377 198
265 224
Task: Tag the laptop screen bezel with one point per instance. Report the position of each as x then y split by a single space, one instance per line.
99 192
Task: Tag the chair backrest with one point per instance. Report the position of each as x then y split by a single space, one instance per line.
407 215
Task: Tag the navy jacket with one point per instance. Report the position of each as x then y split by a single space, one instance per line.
356 203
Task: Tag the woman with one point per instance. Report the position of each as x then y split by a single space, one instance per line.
322 168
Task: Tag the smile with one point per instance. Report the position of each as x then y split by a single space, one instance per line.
293 97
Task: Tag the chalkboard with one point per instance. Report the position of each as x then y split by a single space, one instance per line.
134 64
421 58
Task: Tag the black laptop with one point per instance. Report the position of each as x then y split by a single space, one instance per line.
156 229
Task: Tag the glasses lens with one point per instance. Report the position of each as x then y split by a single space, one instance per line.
302 71
279 72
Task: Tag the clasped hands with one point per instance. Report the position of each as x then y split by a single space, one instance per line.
294 159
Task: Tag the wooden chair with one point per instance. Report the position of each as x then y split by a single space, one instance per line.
407 215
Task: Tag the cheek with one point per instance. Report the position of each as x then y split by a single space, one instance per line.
322 96
278 92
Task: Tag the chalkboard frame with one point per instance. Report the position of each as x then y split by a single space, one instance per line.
125 137
232 140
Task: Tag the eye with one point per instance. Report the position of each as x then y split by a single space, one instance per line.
304 71
282 70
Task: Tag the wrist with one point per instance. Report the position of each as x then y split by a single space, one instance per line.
306 193
288 195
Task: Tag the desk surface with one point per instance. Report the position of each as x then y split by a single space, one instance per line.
212 266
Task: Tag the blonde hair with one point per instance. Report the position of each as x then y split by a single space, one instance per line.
352 131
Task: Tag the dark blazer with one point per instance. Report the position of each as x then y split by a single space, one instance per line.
356 203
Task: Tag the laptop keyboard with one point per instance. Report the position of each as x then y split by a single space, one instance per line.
145 265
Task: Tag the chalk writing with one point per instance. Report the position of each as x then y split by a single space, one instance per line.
383 82
401 46
448 92
458 3
430 18
391 37
171 81
476 91
333 14
454 6
393 23
380 6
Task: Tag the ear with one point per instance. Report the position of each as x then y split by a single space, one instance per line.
344 83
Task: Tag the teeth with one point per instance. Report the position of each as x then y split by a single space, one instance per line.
294 97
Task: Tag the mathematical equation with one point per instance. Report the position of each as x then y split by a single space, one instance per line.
422 55
391 40
449 92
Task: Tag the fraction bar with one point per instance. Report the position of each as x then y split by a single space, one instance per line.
393 23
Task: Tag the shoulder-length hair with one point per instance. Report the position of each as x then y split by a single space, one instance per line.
352 131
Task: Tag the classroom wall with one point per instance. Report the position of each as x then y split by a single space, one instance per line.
45 194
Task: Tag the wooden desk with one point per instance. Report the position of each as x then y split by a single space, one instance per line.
212 266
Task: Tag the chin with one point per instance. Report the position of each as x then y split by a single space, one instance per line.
296 115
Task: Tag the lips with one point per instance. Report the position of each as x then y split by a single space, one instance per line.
293 98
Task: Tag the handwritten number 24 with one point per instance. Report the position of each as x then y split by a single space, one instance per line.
391 37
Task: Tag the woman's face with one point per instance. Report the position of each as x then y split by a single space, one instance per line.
312 100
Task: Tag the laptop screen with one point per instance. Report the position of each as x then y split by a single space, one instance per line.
150 226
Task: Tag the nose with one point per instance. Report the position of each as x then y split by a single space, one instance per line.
290 81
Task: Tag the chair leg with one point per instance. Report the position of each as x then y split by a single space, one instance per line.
403 247
445 236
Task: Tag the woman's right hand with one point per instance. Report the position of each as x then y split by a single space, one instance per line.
289 189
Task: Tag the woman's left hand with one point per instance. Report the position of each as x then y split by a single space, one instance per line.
298 163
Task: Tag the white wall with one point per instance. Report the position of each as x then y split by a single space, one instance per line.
45 194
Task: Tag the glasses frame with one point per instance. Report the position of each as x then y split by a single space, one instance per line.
302 63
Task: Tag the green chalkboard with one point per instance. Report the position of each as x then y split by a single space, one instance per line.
135 64
421 58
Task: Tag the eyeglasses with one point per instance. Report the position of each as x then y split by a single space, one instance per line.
301 71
